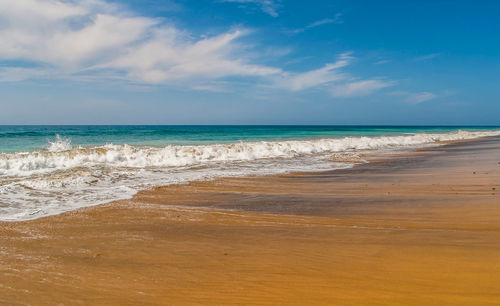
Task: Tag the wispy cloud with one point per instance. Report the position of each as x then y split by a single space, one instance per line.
359 88
426 57
269 7
92 40
324 75
336 19
16 74
94 37
414 98
420 97
381 62
160 60
331 77
217 87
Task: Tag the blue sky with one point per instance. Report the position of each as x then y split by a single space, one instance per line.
249 62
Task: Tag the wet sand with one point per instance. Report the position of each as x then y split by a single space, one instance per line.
419 228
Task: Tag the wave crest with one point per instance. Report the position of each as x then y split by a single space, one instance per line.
61 156
64 178
59 145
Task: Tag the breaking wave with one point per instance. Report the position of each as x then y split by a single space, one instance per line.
59 145
60 154
64 177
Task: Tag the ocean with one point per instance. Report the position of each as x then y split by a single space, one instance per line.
46 170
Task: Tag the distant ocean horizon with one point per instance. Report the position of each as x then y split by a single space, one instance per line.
49 169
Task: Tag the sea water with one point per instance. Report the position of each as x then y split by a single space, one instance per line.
45 170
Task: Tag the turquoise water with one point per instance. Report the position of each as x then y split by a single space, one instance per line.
46 170
31 138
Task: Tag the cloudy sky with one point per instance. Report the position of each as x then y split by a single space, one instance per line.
249 62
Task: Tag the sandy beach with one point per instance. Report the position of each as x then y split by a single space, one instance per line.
413 229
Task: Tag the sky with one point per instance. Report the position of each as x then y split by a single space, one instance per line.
427 62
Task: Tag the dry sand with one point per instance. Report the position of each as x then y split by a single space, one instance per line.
413 229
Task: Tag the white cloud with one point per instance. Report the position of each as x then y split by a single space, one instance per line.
420 97
327 74
325 21
359 88
92 35
92 40
165 59
414 98
332 78
33 11
218 87
267 6
320 22
381 62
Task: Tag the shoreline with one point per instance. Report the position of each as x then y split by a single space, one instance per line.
369 157
410 229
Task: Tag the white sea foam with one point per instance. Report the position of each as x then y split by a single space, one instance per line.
60 144
63 178
60 156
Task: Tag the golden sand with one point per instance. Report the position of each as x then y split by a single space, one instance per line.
413 229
